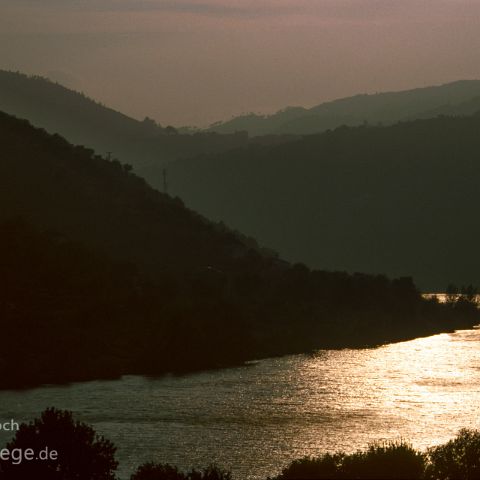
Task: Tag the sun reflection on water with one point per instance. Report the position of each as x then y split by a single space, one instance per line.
256 419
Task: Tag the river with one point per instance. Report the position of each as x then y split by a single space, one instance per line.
255 419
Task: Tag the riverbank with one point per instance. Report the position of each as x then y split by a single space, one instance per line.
74 448
105 277
256 420
437 318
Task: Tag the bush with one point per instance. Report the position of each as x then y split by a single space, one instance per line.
81 453
158 471
458 459
325 466
395 460
212 472
152 471
380 461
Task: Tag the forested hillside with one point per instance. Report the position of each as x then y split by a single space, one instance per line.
385 108
398 200
145 145
83 121
102 276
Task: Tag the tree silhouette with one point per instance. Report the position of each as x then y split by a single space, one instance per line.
169 130
457 459
158 471
80 453
451 294
380 461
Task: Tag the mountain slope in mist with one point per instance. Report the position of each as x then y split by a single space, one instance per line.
384 108
395 200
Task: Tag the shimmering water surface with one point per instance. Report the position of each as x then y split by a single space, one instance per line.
254 420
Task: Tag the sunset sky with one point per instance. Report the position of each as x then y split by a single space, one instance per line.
195 62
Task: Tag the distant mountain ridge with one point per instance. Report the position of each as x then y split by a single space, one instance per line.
385 108
210 189
83 121
145 145
391 200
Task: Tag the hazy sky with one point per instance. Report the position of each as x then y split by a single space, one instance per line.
194 62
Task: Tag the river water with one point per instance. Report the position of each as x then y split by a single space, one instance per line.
255 419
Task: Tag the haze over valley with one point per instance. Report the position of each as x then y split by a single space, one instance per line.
239 239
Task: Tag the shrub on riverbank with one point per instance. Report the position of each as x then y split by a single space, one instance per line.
458 458
84 455
158 471
396 460
55 447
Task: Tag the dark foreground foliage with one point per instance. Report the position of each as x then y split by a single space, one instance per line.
157 471
457 459
80 453
379 461
84 455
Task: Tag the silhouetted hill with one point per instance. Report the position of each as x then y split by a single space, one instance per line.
83 121
145 145
464 109
395 200
385 108
56 185
102 276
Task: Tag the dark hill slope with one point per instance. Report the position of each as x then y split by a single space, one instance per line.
83 121
395 200
104 276
386 108
58 186
463 109
145 145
